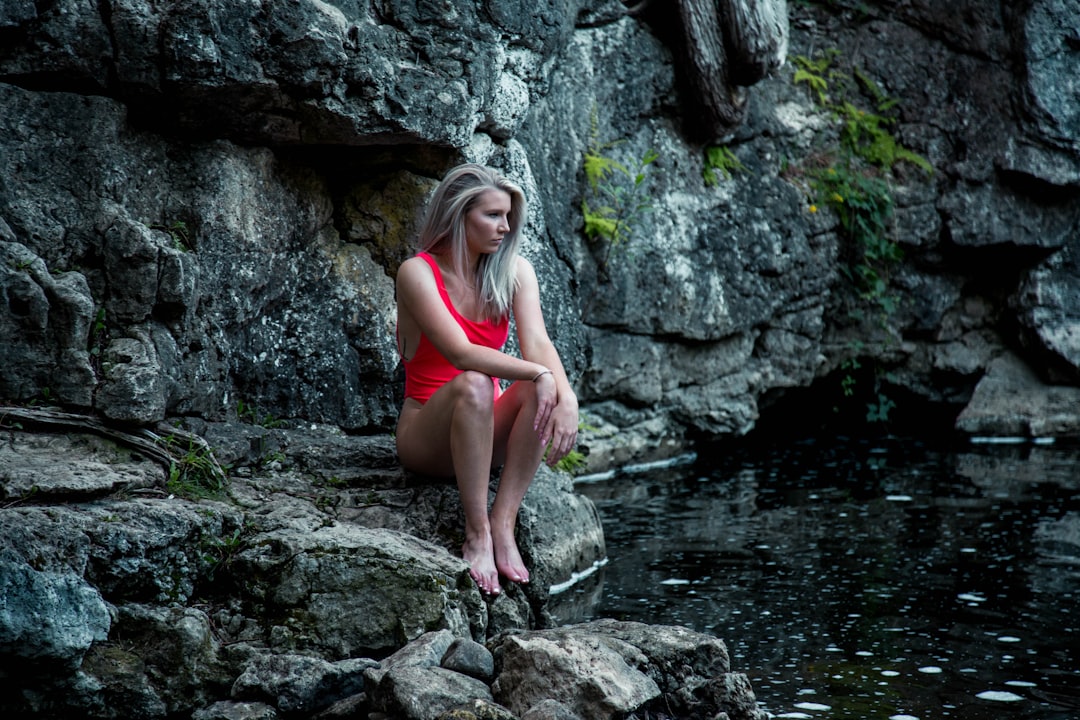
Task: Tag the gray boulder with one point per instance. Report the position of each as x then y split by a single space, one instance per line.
608 669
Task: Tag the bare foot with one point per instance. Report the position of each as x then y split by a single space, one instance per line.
507 558
478 553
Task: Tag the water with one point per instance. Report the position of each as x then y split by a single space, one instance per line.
859 579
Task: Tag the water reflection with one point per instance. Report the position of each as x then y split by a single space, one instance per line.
862 580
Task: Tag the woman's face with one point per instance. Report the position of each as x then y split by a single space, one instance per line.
487 222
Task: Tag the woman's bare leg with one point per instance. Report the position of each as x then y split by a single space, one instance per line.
452 434
518 446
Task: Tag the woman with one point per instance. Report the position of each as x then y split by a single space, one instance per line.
454 302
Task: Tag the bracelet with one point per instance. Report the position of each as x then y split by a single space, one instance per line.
540 374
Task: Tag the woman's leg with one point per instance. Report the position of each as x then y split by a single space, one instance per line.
517 446
452 434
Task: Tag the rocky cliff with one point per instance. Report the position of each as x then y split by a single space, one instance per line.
736 208
204 204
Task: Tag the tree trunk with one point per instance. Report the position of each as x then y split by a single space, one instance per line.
755 38
723 104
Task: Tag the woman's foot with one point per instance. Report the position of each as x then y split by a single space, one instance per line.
481 558
507 558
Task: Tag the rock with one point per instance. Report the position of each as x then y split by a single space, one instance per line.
71 467
202 211
340 590
1012 401
45 321
1049 311
47 616
228 710
469 658
133 390
425 693
297 683
614 436
171 655
550 710
425 651
607 669
595 681
477 709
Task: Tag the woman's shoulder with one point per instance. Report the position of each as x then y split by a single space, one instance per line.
524 269
415 271
416 263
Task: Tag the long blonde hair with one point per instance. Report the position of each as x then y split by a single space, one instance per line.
443 230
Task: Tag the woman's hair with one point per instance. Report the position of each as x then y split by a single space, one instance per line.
443 230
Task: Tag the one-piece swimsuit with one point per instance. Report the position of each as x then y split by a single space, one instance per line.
427 370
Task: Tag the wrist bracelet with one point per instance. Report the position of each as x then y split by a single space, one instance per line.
540 374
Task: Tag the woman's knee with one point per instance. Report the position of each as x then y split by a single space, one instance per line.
475 389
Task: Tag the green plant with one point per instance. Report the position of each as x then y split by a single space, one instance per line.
816 73
44 396
193 471
219 552
573 462
864 134
274 457
854 182
178 231
879 411
863 204
97 333
615 199
720 160
251 414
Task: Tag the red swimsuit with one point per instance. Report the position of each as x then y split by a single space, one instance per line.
428 370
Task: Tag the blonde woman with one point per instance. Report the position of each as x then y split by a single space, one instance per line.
454 300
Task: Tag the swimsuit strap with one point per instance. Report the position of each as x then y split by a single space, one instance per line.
443 292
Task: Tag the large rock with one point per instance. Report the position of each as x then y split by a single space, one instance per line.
1048 308
47 615
190 296
1011 400
122 588
607 669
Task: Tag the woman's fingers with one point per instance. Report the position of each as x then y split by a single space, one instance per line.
562 440
546 396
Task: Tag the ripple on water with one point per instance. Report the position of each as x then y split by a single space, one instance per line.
999 696
813 706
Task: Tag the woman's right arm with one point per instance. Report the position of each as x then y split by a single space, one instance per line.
421 310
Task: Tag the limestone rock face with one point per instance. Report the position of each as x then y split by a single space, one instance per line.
206 204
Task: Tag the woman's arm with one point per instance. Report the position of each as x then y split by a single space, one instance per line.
421 310
560 426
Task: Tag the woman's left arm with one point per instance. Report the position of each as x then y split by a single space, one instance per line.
560 426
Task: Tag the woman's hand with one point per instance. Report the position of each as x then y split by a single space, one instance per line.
547 397
561 431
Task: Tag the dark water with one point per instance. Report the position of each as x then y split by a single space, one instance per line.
862 579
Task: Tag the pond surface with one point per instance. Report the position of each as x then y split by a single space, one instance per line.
861 579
